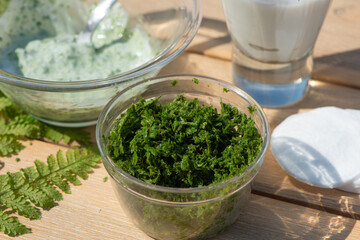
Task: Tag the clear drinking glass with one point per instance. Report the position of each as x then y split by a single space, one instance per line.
272 46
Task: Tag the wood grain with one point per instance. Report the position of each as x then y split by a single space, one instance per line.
266 218
91 211
336 53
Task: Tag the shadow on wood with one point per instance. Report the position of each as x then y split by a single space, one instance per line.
266 218
341 68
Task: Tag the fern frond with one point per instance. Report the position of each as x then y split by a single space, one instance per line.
24 126
16 125
9 145
4 103
38 186
11 226
19 204
9 110
68 135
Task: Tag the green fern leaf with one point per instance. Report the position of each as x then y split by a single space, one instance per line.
11 225
30 174
9 145
42 168
16 125
60 183
49 190
57 134
81 172
19 204
23 125
4 103
16 180
52 163
36 196
35 186
62 163
10 200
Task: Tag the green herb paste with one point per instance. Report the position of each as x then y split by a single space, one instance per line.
39 38
183 143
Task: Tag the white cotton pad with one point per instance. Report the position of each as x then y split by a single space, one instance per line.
321 147
352 186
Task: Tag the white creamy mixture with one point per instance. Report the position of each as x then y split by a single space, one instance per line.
36 34
275 30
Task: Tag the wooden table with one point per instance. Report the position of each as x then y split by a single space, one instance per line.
280 207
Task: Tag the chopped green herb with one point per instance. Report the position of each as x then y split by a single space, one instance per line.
17 159
226 90
252 109
195 80
105 179
183 143
174 83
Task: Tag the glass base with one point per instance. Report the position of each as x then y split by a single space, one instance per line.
274 95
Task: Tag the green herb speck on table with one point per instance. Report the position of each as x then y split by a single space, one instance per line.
174 83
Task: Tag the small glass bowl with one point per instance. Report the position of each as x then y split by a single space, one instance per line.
172 23
181 213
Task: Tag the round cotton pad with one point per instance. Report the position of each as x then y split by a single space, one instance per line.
321 147
352 186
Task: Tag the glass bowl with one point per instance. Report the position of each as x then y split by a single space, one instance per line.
171 24
181 213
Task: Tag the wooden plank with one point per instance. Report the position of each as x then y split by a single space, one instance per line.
265 218
272 179
336 52
92 212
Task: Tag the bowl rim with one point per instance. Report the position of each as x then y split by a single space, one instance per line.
179 77
166 56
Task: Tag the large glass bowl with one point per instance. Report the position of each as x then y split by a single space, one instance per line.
171 23
181 213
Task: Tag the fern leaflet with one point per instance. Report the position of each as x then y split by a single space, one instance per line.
16 125
38 186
